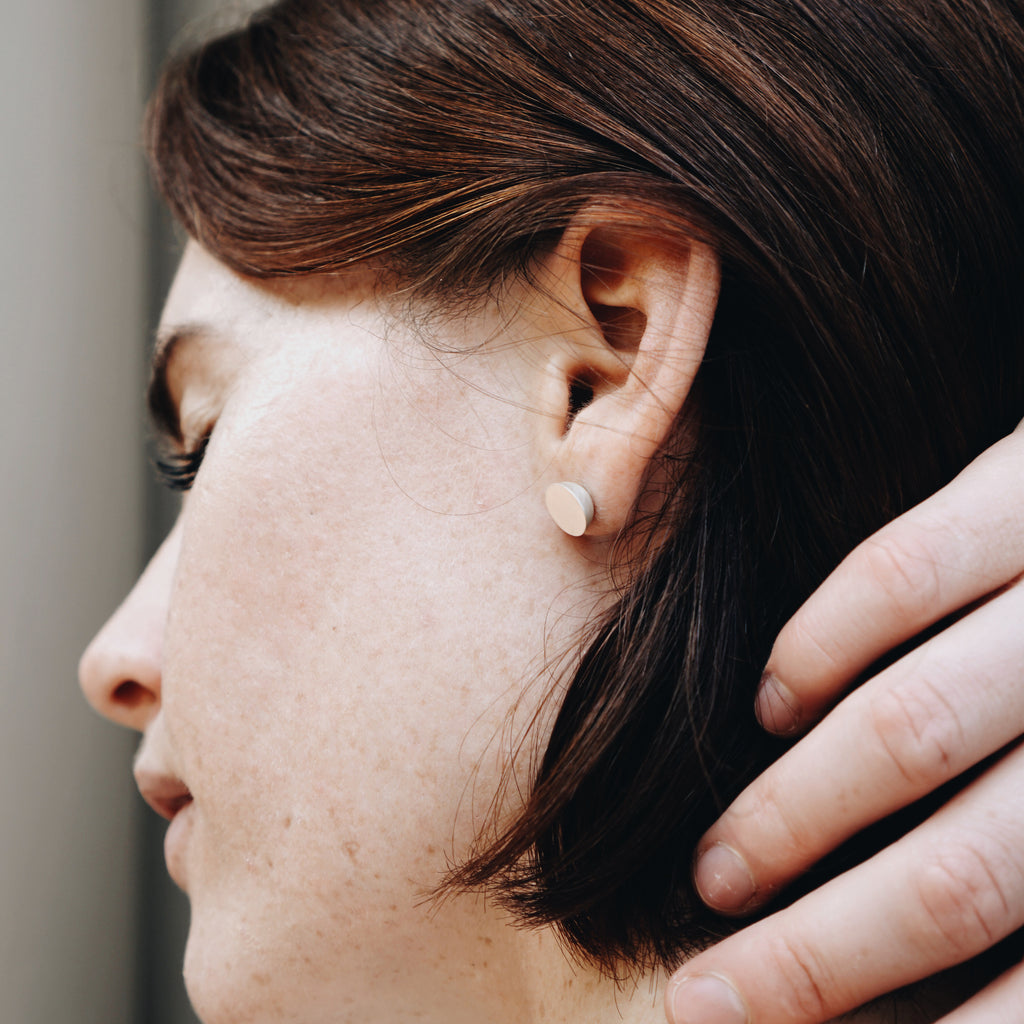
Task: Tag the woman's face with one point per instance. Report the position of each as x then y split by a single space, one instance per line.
324 654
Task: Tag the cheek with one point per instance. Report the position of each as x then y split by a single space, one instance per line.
344 649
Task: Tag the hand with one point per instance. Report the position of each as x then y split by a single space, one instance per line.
952 887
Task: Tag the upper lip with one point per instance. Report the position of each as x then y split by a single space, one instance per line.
162 790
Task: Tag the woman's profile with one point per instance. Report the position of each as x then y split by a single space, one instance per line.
735 283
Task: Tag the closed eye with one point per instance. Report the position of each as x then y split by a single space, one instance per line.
178 469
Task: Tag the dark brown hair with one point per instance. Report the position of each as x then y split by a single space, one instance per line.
858 165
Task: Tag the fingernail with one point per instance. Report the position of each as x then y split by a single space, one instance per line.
776 706
723 879
706 999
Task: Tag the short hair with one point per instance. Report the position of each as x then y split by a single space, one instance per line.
858 166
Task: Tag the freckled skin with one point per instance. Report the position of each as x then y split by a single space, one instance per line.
352 643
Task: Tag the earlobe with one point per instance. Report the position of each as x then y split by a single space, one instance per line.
643 313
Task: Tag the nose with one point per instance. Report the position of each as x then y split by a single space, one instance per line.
120 671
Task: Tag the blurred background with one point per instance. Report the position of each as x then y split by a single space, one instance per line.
91 930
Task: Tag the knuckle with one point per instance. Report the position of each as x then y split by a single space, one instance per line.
905 567
920 731
806 634
803 978
965 905
773 821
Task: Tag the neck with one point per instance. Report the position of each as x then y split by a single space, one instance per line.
560 990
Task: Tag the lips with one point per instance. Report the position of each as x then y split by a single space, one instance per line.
171 799
164 792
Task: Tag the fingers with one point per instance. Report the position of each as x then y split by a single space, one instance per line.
935 713
951 888
959 546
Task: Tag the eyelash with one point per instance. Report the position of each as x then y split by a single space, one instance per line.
178 470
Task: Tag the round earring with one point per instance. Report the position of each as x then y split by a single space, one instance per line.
571 507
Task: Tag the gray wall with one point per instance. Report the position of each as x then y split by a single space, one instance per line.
71 516
86 935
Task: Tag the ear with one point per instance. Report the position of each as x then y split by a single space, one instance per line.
618 380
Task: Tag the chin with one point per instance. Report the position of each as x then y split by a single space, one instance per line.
332 962
231 979
248 963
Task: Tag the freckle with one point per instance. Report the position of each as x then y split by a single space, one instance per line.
288 821
352 849
488 941
261 979
431 849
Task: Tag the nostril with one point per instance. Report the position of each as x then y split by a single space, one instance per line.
130 694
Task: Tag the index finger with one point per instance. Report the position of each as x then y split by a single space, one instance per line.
957 547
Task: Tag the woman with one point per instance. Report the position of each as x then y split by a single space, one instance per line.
728 286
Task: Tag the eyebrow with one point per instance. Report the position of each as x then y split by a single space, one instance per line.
163 410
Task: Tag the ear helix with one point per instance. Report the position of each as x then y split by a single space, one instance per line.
570 506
